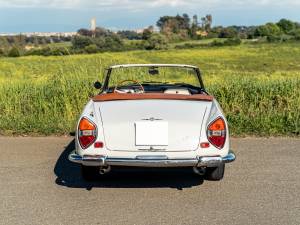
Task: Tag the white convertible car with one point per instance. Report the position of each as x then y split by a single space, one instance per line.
157 115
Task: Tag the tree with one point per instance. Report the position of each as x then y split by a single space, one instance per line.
109 43
296 33
85 32
215 32
129 34
269 29
273 28
35 41
174 24
193 31
162 21
20 40
146 34
186 21
102 40
261 31
100 32
195 20
206 22
286 25
4 43
113 43
250 32
80 42
228 32
203 22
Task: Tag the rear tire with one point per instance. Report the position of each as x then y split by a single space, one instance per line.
215 173
89 173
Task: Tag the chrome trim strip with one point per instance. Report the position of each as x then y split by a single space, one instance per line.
229 158
152 161
153 65
152 157
87 160
209 161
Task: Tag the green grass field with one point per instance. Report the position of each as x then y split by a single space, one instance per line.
258 86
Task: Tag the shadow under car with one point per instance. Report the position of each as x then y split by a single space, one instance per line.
69 175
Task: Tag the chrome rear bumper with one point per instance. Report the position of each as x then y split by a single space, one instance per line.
151 161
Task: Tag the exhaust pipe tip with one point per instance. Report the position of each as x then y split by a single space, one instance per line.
105 170
199 170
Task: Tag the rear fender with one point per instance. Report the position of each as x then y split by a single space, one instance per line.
89 113
214 113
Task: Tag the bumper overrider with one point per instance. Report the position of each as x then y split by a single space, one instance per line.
151 161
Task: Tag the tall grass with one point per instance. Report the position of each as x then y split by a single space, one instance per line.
257 86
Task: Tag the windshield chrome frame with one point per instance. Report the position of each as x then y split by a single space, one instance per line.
110 69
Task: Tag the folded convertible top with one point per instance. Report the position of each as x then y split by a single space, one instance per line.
143 96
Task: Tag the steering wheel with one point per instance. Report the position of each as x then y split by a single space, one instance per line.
133 81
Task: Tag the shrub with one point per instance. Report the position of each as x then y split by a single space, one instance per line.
133 45
286 37
33 51
228 42
46 51
273 38
91 49
2 53
80 42
39 51
59 51
228 32
112 43
217 43
190 46
14 52
296 34
105 43
156 42
233 41
130 35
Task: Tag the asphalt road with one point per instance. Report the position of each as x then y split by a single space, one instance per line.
39 186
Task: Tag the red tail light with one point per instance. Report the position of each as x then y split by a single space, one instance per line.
87 133
216 133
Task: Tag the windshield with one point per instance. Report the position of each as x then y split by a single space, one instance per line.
153 75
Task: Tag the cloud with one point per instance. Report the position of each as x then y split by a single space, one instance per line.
94 3
142 4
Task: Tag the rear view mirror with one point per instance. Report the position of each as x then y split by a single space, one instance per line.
153 71
97 85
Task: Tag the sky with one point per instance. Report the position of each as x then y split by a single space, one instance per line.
70 15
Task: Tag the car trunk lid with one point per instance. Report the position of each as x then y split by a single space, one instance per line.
152 125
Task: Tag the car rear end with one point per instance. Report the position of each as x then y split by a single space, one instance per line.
153 133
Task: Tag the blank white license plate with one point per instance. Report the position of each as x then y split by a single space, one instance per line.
151 133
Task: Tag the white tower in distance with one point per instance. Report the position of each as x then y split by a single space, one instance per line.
93 24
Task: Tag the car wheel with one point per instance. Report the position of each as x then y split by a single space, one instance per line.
215 173
89 173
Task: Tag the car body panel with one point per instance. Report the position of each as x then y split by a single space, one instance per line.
184 120
91 111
